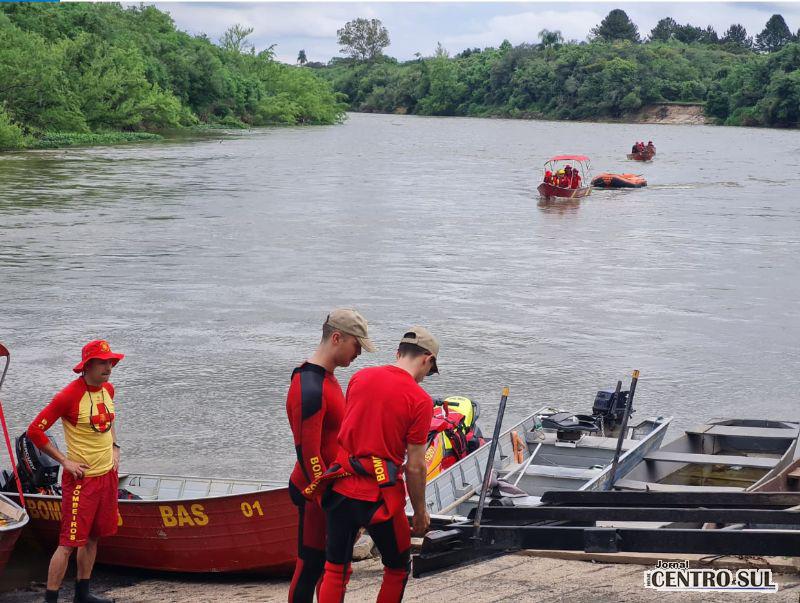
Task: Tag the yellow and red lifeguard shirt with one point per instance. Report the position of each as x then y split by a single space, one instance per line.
87 415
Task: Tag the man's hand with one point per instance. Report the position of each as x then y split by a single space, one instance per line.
116 459
415 482
76 469
420 523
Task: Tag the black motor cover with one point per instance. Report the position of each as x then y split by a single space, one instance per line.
36 469
607 405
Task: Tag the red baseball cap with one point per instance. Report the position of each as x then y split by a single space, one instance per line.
99 349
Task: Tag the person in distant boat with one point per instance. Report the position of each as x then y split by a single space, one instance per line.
651 148
90 480
635 147
386 423
575 182
560 178
315 407
548 177
567 176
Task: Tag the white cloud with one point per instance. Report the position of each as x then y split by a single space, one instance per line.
525 27
417 27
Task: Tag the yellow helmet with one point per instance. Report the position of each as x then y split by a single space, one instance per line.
561 172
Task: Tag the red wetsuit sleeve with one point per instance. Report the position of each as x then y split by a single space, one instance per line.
307 419
60 406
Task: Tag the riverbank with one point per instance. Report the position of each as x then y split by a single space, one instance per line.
508 578
659 113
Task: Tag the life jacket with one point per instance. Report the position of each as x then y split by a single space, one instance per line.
453 435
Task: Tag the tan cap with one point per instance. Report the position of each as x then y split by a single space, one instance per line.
420 336
351 322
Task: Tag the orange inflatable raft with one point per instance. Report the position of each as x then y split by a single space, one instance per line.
607 180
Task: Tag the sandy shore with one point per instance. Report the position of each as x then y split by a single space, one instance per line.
508 578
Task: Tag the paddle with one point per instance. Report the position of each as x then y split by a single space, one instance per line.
487 475
623 428
4 353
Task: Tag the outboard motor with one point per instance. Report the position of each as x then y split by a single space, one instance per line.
570 428
36 469
610 408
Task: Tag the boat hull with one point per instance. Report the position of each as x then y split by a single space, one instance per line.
550 191
644 156
722 455
7 541
13 520
249 532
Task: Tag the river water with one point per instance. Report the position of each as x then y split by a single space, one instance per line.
212 261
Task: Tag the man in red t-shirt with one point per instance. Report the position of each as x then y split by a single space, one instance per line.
315 407
386 422
89 480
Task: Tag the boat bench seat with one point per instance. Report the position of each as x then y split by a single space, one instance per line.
712 459
583 473
744 432
632 484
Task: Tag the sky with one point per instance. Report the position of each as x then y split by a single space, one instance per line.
417 27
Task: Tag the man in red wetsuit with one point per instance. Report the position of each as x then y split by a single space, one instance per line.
89 480
315 407
386 416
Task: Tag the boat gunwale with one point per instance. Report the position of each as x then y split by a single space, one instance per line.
272 486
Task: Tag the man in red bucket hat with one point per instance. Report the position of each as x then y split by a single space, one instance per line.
89 480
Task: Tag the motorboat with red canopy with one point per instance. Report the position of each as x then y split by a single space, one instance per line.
558 165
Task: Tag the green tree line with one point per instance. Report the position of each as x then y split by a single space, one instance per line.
79 72
613 74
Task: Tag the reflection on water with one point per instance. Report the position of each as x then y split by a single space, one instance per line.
559 206
212 265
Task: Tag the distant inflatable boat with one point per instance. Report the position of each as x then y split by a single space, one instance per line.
642 155
618 181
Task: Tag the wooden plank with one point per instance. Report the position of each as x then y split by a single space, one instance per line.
777 564
745 432
711 459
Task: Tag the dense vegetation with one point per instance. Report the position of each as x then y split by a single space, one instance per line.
614 74
97 73
87 73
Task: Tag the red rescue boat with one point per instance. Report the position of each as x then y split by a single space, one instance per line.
12 519
646 155
190 524
550 191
